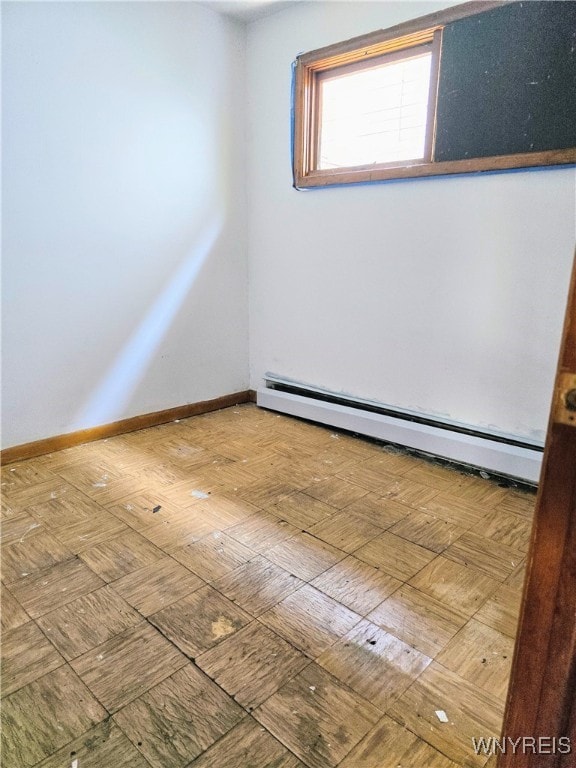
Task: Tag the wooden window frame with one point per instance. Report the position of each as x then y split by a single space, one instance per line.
427 30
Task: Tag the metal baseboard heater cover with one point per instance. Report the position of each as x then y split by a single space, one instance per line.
495 452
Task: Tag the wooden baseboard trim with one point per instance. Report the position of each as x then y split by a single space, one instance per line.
59 442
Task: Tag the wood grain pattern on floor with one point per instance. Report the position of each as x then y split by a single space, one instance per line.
101 747
397 746
88 621
127 665
470 711
47 590
178 719
156 586
26 655
44 715
310 620
357 585
252 664
244 590
317 718
200 620
258 585
248 744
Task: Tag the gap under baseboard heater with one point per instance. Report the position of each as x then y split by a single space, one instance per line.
494 452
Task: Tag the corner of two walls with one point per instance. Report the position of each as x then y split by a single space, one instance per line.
444 296
129 244
125 275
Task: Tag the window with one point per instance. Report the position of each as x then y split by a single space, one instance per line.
478 86
368 109
375 114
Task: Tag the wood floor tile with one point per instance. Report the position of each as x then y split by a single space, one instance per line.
484 555
156 586
179 718
97 479
12 614
305 556
80 536
506 528
519 503
24 474
18 500
395 556
458 511
32 554
501 610
436 476
230 475
390 744
89 621
200 620
255 504
355 584
127 665
471 712
67 510
39 719
252 664
100 747
26 656
224 512
518 576
418 619
427 531
317 718
155 479
345 531
213 556
180 449
121 555
310 620
481 655
461 588
263 493
171 534
137 510
375 664
53 587
476 489
408 491
370 478
18 528
248 745
301 510
337 492
379 510
258 585
262 531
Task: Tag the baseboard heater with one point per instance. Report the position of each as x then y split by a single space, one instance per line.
494 452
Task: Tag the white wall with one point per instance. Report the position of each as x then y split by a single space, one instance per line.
441 295
124 262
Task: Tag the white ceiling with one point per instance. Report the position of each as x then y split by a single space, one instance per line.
249 10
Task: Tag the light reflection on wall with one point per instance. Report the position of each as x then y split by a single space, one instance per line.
115 389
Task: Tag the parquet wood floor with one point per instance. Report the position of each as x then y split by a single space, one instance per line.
245 590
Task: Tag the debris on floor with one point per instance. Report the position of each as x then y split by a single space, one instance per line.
156 509
442 716
199 494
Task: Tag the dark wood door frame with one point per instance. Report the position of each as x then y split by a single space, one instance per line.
541 700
